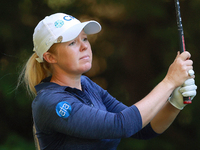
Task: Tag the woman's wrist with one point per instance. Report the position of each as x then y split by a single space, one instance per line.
168 84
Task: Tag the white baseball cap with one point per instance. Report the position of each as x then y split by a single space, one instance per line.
59 28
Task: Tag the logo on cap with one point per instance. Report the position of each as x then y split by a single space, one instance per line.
68 18
63 109
59 23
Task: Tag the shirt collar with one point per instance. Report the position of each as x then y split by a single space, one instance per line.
46 83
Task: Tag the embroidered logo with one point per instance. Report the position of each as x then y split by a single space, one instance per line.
63 109
68 18
59 23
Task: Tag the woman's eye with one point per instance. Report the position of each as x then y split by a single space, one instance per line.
85 39
72 43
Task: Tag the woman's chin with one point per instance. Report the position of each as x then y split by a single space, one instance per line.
86 68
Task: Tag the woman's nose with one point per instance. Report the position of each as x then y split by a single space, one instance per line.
84 46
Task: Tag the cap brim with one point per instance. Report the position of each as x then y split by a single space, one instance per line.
90 27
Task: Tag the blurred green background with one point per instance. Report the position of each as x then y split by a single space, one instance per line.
132 53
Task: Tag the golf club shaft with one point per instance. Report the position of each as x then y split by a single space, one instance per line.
186 100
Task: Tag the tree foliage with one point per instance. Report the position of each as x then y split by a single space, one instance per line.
138 42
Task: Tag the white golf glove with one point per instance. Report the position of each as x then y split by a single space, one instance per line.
188 89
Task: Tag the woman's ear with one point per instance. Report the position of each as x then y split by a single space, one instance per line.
49 57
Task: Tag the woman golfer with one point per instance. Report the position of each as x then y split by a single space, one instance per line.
71 112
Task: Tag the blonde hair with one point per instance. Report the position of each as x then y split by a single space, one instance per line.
33 73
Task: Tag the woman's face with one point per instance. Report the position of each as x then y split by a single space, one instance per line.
74 57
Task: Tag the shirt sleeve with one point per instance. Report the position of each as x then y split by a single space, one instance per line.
85 121
146 133
113 105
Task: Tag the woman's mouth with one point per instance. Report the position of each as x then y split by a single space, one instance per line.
85 57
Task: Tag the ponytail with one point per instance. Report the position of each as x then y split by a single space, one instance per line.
33 73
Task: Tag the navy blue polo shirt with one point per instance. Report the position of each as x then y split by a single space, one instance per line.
70 119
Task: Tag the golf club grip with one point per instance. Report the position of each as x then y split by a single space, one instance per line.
186 100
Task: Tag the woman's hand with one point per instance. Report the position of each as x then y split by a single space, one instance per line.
187 90
178 70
